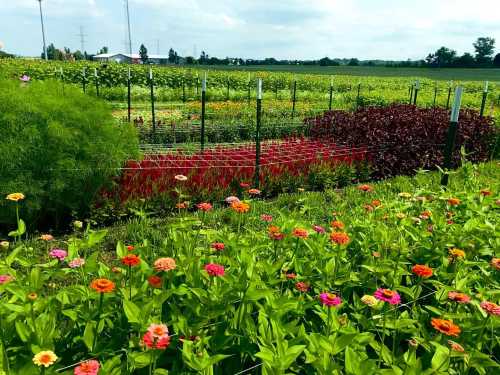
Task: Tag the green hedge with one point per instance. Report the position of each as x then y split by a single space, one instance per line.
58 147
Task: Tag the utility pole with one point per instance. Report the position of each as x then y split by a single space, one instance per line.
82 39
43 31
128 27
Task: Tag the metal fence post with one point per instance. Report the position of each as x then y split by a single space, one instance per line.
417 88
96 76
331 95
435 96
84 80
129 109
357 97
227 94
483 102
151 85
411 94
294 97
449 97
257 134
203 98
451 136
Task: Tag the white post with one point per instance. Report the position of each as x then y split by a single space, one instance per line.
259 89
455 111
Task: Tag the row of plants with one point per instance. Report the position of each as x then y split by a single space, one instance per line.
399 277
407 137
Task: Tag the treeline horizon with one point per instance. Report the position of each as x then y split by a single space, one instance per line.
484 57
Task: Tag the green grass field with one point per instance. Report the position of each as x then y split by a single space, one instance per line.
376 71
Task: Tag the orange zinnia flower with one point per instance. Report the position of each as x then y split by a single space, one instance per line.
446 326
240 207
458 297
457 253
102 285
366 188
376 203
340 238
131 260
495 262
300 233
422 270
337 224
453 201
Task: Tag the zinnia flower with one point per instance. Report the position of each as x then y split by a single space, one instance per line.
130 248
78 225
90 367
102 285
300 233
337 224
495 262
340 238
458 297
455 346
76 263
330 299
275 233
254 192
369 300
58 254
240 207
165 264
485 192
266 218
453 201
365 188
156 337
32 296
45 358
131 260
182 205
376 203
426 215
422 270
15 197
4 245
155 281
46 237
25 78
490 307
302 286
158 330
446 326
387 295
232 199
244 185
219 246
214 269
180 177
4 279
400 215
204 206
457 253
404 195
319 229
291 275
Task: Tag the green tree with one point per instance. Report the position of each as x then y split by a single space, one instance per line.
353 62
104 50
78 55
171 56
496 61
143 53
485 47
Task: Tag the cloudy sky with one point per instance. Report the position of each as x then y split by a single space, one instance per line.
302 29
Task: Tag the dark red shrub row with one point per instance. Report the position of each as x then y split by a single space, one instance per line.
405 137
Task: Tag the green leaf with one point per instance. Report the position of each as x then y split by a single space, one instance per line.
12 256
88 334
22 331
121 250
132 312
352 362
441 359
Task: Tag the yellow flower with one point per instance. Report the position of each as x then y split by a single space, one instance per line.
4 245
45 358
400 215
15 197
457 253
47 237
369 300
405 195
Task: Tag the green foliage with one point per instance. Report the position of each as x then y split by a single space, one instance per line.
58 147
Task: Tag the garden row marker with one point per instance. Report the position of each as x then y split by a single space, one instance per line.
411 94
331 95
435 95
257 134
84 80
203 98
294 96
128 94
151 83
483 102
452 132
227 95
417 88
96 82
449 95
357 97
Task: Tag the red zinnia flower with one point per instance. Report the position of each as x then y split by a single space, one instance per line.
130 248
302 287
458 297
131 260
422 270
337 224
204 206
300 233
90 367
365 187
214 269
155 281
340 238
446 326
219 246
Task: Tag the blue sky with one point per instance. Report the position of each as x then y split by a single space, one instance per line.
302 29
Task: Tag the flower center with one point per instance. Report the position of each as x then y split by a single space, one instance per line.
388 293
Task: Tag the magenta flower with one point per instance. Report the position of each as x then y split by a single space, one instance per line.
25 78
319 229
214 269
330 299
58 254
4 279
387 295
219 246
76 263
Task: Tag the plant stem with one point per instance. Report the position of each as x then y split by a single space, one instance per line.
130 282
383 335
101 298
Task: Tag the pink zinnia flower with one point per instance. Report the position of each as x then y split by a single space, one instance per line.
165 264
219 246
214 269
232 199
90 367
267 218
58 253
319 229
158 330
491 308
204 206
153 342
76 263
387 295
4 279
330 299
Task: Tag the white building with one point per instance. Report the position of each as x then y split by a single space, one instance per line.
133 58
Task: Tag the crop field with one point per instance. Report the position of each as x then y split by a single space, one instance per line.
343 223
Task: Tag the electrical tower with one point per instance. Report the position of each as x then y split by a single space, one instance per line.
82 36
127 19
